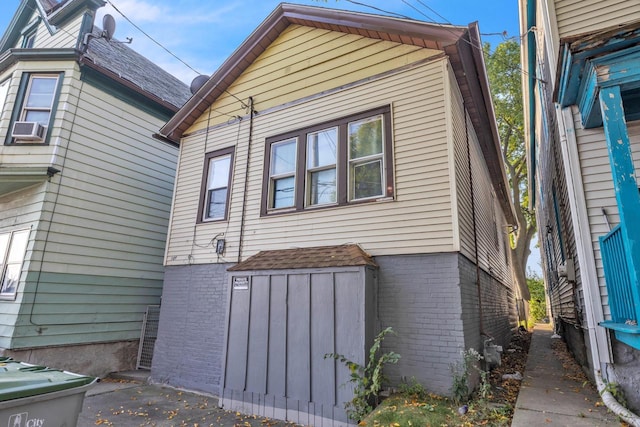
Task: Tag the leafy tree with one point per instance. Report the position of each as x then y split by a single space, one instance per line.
504 73
538 304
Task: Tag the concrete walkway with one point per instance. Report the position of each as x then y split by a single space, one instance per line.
550 396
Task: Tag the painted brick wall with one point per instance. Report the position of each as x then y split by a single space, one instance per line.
188 350
498 306
419 297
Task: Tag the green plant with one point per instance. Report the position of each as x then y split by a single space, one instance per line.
412 389
617 392
367 379
461 371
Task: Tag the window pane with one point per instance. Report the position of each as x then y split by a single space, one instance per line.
41 92
11 277
4 244
4 87
323 187
217 203
219 172
321 148
283 192
41 117
366 180
283 157
18 247
365 137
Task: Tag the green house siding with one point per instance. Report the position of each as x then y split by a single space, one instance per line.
78 309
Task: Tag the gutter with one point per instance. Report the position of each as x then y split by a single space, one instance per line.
600 352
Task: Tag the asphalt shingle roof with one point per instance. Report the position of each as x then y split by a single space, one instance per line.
128 64
315 257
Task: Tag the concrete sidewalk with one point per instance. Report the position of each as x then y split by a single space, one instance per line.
551 396
127 400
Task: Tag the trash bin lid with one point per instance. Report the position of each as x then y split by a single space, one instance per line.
18 380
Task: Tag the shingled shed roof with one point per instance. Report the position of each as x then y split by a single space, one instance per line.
316 257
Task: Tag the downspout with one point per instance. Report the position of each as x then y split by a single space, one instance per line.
600 352
531 72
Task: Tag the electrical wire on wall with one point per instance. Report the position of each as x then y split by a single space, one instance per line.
246 179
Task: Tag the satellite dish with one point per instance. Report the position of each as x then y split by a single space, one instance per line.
198 82
108 26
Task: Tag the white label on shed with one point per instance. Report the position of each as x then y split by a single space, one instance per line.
240 283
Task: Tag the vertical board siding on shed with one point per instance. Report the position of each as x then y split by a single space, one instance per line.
587 16
418 221
281 327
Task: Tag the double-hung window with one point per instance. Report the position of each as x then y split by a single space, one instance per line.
337 163
12 250
39 97
216 182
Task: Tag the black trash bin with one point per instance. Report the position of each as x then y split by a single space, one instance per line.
38 396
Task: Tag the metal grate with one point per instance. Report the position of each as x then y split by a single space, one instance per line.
148 336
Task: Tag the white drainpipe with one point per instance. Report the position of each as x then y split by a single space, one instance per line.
599 342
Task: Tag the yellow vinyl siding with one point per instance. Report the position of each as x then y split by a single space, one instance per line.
587 16
419 220
303 62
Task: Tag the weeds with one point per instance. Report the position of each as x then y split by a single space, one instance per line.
367 379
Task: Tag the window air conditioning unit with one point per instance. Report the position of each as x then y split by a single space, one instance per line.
28 131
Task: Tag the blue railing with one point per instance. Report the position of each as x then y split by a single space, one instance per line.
616 273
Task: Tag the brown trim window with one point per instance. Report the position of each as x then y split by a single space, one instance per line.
337 163
216 183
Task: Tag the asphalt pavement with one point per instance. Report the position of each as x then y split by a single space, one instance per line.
128 400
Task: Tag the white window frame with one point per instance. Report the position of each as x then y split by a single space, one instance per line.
12 259
273 177
378 157
310 170
26 109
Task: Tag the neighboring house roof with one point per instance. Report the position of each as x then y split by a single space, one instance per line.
125 63
462 44
112 59
316 257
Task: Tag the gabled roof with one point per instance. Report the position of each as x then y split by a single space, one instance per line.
315 257
118 61
462 44
113 60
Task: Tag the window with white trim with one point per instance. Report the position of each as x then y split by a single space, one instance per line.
341 162
216 182
4 89
12 251
38 100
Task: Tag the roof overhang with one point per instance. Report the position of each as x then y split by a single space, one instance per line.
596 60
69 9
12 56
14 178
462 44
405 31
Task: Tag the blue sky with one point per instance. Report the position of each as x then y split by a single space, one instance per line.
204 33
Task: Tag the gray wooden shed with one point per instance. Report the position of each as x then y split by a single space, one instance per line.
286 310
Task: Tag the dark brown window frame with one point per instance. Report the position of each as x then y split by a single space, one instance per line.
230 151
342 163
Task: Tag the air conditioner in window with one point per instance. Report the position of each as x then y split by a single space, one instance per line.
28 131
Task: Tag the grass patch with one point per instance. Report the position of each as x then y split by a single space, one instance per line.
431 410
